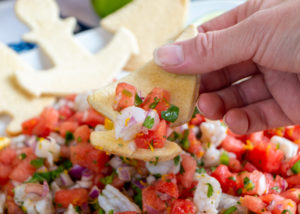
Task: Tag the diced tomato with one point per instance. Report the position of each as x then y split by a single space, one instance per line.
287 164
197 120
279 204
253 183
117 182
65 152
231 144
181 206
265 157
168 185
292 194
187 192
8 189
155 138
65 112
195 146
71 97
293 180
7 155
89 117
276 131
82 134
275 186
12 207
84 154
189 165
23 170
253 203
67 126
293 133
249 167
76 197
44 124
4 173
243 138
28 125
151 200
226 178
235 165
125 96
287 204
158 98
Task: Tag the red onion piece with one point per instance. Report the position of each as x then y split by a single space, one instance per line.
45 189
151 210
94 193
115 162
85 208
124 173
139 184
76 172
86 173
65 179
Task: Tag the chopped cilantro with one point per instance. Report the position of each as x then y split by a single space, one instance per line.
51 175
196 111
101 211
181 171
69 137
230 210
22 156
149 122
154 104
77 209
277 146
37 163
171 114
210 190
59 205
111 212
79 139
185 141
157 176
296 167
248 184
108 179
174 136
137 101
239 191
213 168
286 211
276 188
232 178
224 158
200 170
177 160
137 196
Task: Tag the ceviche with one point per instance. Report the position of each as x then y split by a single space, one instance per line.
53 168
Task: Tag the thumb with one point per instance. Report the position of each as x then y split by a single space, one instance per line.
210 51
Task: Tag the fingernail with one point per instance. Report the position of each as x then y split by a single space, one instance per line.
169 55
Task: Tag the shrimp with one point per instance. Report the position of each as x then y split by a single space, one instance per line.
207 194
213 132
112 199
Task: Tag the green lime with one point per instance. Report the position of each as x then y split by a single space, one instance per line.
106 7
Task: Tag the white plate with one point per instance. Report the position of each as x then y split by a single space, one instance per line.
96 39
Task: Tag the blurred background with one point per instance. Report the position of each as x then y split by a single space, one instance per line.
87 12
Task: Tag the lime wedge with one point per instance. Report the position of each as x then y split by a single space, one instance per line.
106 7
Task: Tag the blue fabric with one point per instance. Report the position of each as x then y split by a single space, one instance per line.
26 46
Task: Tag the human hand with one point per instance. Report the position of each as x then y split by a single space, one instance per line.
259 40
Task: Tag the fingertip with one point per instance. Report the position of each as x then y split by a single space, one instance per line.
237 120
211 106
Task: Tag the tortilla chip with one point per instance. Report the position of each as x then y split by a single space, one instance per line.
183 88
75 69
85 74
106 141
14 101
154 22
